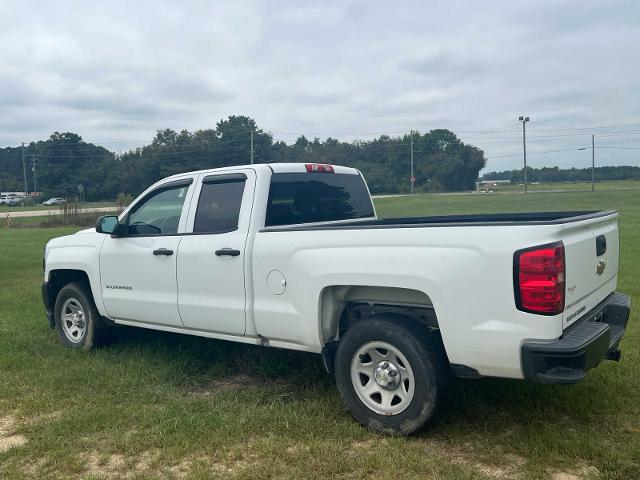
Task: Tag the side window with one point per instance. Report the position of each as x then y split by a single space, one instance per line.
219 204
159 214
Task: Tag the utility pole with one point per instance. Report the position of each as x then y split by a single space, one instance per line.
35 175
24 171
524 149
593 163
412 177
251 146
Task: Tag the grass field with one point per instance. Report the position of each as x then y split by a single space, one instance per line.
568 186
161 405
45 209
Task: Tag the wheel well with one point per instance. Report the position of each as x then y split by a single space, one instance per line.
60 278
342 306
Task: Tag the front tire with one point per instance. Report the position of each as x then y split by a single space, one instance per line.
391 374
77 320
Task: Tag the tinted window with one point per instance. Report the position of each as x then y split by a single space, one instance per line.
159 214
316 197
219 206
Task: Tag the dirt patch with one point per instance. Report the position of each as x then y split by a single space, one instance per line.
364 445
581 472
150 463
233 462
504 470
35 469
108 466
147 460
297 448
8 438
40 419
509 469
234 382
508 466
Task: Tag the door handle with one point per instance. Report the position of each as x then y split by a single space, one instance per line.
163 251
230 252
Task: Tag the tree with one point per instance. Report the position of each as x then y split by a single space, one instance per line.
65 160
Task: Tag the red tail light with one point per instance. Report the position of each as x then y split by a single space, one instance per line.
318 168
538 278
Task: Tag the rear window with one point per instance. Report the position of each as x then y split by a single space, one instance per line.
316 197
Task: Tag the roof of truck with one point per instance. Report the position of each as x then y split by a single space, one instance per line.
274 167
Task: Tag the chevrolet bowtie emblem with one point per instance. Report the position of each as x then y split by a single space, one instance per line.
601 266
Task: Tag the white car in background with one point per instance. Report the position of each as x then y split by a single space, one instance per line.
12 200
54 201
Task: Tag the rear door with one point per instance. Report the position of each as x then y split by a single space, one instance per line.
212 255
591 259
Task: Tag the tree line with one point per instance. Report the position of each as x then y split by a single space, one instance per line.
555 174
442 162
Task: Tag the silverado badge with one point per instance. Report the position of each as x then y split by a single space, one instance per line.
601 266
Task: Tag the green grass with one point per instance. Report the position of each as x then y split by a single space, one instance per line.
161 405
570 186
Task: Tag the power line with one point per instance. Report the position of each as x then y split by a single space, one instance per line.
589 128
533 153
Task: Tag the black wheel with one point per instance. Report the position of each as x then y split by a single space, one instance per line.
392 375
77 320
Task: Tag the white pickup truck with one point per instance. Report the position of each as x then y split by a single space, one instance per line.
293 256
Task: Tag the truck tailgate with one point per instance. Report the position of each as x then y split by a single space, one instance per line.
591 259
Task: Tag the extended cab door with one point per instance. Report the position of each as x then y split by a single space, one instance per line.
212 255
138 268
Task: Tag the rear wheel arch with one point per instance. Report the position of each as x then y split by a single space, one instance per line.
343 306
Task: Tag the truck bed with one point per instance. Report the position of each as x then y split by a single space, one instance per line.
483 219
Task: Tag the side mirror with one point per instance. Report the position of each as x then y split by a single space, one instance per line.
107 224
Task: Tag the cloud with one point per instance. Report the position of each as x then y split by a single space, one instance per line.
118 71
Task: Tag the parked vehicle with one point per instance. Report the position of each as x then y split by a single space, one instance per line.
12 200
293 256
54 201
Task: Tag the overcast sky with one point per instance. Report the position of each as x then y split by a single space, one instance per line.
115 72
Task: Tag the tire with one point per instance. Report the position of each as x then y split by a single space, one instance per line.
77 320
400 403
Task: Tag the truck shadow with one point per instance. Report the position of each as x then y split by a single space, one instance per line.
486 405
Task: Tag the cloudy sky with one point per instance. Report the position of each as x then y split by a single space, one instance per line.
117 71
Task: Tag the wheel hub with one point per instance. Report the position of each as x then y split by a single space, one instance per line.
387 375
382 378
74 324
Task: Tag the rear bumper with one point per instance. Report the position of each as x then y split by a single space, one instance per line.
47 300
593 338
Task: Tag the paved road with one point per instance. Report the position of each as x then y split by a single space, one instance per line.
44 213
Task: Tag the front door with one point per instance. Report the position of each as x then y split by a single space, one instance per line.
138 269
211 256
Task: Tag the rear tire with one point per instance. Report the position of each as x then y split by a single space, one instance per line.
77 320
392 375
